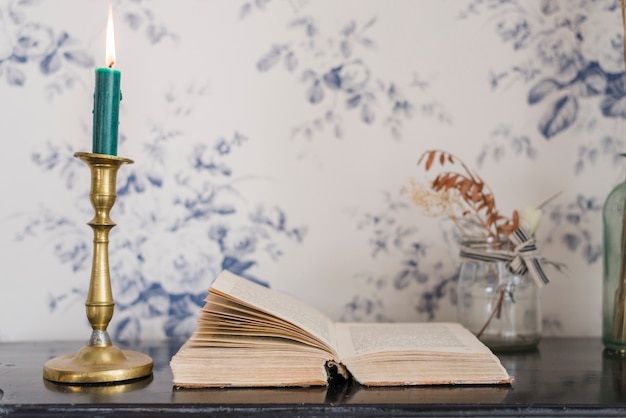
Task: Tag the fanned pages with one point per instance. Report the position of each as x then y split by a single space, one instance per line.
250 335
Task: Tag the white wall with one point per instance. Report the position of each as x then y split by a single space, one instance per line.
243 161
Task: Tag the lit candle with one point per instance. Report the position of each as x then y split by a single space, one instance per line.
107 98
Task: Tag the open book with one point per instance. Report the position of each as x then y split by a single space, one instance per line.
250 335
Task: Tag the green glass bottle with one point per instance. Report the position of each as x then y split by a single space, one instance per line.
614 284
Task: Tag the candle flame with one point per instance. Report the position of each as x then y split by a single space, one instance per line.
110 45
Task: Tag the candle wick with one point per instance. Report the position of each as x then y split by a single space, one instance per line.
111 64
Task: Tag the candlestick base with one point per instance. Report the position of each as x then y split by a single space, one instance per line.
93 364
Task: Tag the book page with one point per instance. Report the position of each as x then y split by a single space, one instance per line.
358 339
223 314
280 305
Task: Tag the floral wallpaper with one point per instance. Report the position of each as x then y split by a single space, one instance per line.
273 138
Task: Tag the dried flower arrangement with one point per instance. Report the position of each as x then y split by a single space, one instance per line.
463 197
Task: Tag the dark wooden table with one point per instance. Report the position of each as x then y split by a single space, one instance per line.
564 377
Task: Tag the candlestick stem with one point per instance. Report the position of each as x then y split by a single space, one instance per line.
100 361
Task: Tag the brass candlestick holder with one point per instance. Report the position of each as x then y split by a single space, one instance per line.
100 361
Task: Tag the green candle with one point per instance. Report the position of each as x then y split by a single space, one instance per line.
106 111
107 98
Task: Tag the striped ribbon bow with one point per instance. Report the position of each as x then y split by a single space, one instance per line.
521 257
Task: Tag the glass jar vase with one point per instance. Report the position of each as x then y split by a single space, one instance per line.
501 308
614 274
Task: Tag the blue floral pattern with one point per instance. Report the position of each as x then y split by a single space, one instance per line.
565 70
417 266
55 53
504 141
340 81
573 229
187 208
140 17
